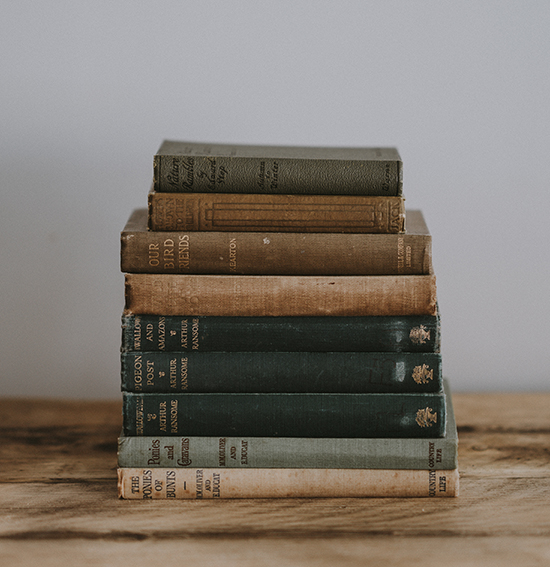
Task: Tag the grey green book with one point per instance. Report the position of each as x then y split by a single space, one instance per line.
189 167
294 452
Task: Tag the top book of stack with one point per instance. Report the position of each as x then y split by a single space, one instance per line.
187 167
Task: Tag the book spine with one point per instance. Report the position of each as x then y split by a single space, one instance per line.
274 213
266 253
346 372
287 452
208 174
286 334
285 415
178 294
178 483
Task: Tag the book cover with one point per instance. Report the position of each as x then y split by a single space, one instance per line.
275 213
346 372
285 415
294 452
398 333
181 483
276 253
276 296
181 166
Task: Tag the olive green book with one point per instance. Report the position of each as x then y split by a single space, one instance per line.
191 167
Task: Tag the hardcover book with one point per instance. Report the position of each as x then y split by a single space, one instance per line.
164 372
181 166
285 415
275 213
275 253
398 333
180 483
293 452
276 296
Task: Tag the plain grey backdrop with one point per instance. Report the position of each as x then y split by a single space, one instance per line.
90 89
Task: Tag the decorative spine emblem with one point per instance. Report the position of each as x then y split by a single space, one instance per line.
419 335
422 374
426 417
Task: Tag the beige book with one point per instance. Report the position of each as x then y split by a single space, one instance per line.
183 483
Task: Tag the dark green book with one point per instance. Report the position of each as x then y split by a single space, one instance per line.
160 372
285 415
410 333
189 167
294 452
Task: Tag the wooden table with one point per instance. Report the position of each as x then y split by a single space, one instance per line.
59 505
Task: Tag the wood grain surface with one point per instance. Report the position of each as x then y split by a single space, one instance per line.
58 501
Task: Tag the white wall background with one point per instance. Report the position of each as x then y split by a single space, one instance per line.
88 90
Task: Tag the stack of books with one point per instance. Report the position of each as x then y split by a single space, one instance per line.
281 334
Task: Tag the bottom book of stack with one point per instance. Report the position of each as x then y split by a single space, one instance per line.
199 467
